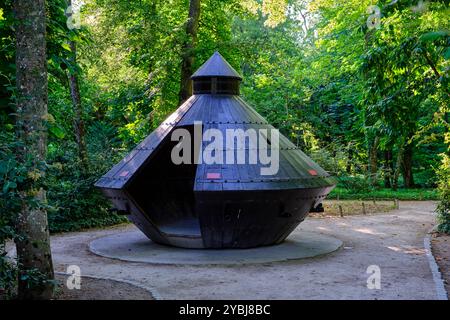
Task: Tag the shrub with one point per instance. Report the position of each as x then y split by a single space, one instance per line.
75 202
443 208
15 175
357 184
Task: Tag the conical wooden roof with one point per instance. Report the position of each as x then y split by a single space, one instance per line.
222 112
216 66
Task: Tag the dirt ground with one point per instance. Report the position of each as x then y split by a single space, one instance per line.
392 242
441 251
100 289
353 208
97 289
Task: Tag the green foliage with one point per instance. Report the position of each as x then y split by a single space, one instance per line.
8 276
355 184
15 175
443 208
74 202
7 66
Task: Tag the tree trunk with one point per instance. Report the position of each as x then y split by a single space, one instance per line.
78 122
33 244
398 166
408 178
187 54
388 168
348 167
373 160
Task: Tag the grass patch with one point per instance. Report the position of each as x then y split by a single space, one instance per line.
400 194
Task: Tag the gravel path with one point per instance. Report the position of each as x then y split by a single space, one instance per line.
393 241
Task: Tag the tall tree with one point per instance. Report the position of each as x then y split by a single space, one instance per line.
373 160
188 49
33 243
74 86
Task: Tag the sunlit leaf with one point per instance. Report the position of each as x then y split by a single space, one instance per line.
57 132
66 46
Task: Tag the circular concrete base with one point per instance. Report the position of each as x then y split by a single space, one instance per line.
136 247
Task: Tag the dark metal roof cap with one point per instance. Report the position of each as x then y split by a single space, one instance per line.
216 66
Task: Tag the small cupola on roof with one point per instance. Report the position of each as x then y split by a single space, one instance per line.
216 76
